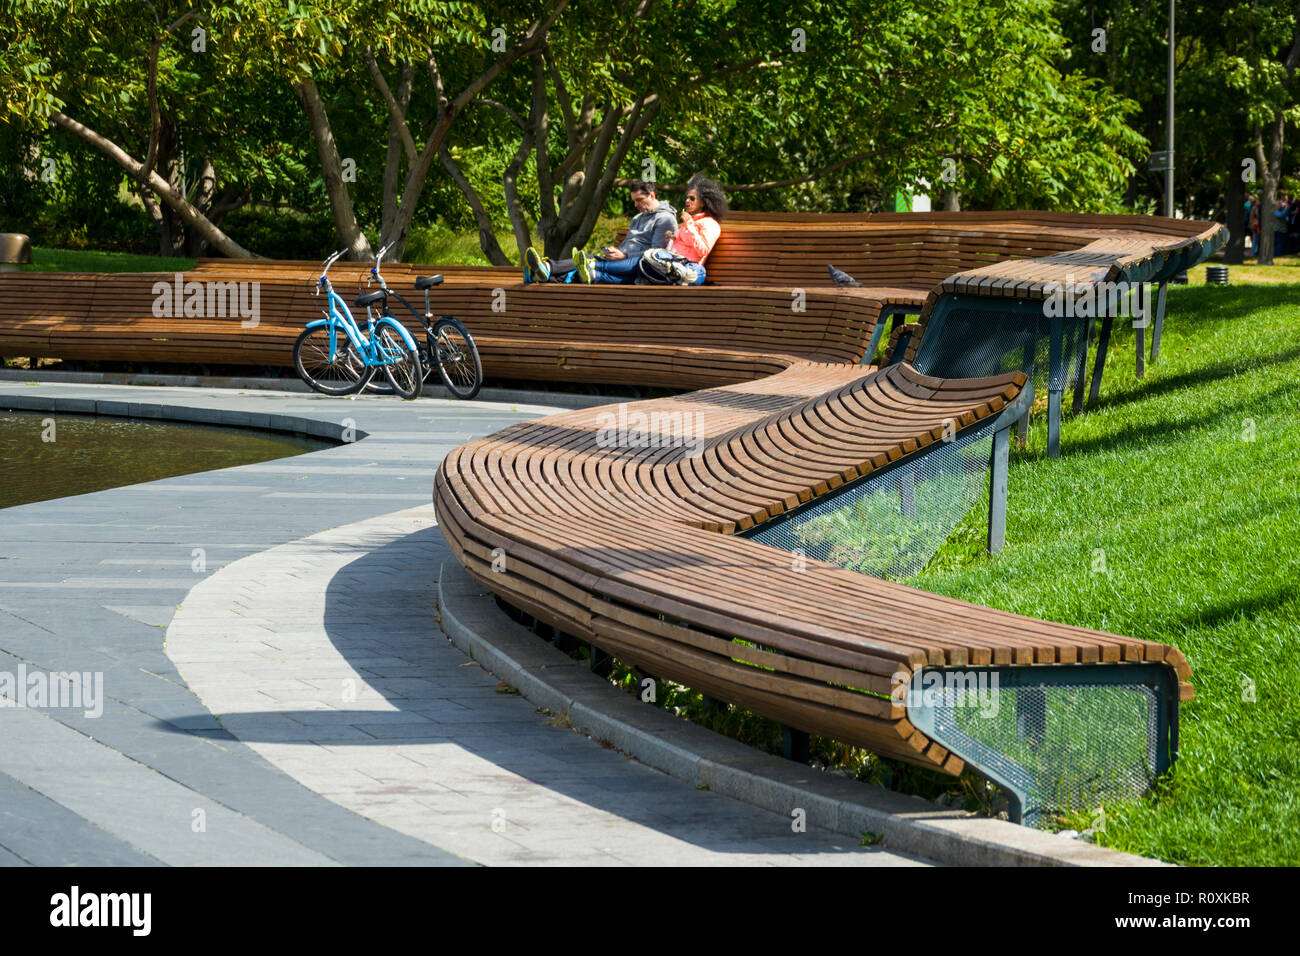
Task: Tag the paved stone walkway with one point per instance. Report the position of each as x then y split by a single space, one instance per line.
320 655
346 729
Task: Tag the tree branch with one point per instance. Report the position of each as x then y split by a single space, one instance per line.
541 134
395 111
486 236
534 36
157 184
635 128
484 101
155 115
561 94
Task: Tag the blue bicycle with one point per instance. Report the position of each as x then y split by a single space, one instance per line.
335 357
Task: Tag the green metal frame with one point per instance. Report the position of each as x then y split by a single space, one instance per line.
1056 378
1018 781
999 464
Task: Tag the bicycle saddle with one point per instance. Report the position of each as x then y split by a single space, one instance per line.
425 281
370 298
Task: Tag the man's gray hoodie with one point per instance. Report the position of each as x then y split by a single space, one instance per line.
648 230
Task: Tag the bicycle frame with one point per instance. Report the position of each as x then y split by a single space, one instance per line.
340 316
424 319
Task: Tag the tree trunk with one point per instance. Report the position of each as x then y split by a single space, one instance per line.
1271 166
345 218
951 200
159 186
1271 170
170 226
204 197
1235 214
393 165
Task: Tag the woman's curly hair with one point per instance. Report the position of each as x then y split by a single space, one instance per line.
711 196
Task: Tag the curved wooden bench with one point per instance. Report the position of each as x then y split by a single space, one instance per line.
999 304
636 550
768 302
662 336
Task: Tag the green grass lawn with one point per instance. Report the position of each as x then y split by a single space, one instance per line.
1188 482
85 260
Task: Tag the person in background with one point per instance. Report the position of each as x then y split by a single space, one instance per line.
1247 238
648 229
1254 225
1280 225
681 261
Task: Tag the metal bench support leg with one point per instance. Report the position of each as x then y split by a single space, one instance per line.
1022 426
1081 377
1103 340
1160 322
794 744
598 661
1144 310
998 464
1055 390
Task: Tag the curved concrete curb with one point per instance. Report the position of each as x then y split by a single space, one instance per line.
548 678
521 396
193 414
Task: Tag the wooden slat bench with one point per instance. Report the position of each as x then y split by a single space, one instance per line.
639 550
975 317
768 301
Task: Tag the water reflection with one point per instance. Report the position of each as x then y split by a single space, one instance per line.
44 456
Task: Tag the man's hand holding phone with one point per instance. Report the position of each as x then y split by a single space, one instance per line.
613 252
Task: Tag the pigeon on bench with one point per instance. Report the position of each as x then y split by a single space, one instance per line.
840 277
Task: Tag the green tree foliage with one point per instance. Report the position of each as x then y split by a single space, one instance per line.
806 105
529 115
1236 87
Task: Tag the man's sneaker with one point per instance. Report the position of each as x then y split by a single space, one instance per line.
586 272
537 268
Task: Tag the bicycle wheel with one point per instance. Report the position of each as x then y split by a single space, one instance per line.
380 385
401 362
459 365
342 373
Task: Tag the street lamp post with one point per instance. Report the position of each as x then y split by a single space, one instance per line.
1169 121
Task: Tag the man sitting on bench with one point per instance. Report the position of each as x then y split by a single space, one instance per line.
649 229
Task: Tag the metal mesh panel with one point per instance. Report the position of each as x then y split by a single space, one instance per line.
974 342
1062 747
891 523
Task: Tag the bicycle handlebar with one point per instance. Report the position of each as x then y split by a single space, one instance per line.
325 268
379 257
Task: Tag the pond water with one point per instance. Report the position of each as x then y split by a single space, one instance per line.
44 455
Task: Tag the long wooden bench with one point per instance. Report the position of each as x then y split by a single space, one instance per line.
997 315
641 551
571 333
671 337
